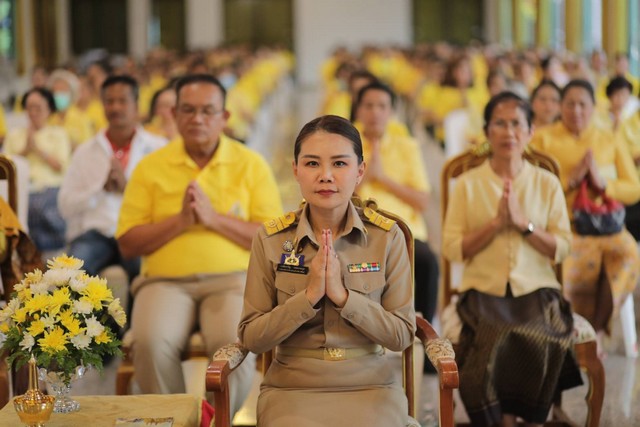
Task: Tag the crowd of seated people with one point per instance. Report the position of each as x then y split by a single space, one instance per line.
155 198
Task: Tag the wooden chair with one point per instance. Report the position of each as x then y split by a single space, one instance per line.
583 333
438 350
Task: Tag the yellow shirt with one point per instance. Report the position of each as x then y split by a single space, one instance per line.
508 257
394 128
610 153
77 123
238 182
3 124
95 110
54 141
629 131
402 162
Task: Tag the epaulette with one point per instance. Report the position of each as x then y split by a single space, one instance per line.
278 224
370 210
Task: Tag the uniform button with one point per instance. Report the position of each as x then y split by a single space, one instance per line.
305 315
292 289
366 287
350 316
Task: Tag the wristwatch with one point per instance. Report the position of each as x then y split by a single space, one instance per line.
529 229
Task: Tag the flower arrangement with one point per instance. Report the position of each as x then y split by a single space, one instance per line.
62 317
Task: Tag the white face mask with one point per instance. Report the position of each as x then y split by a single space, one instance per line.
227 80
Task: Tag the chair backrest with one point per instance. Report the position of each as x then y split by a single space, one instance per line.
8 173
407 354
466 161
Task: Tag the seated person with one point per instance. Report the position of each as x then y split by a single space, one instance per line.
91 192
508 222
602 270
47 148
329 289
396 178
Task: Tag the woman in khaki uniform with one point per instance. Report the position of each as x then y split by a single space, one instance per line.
329 287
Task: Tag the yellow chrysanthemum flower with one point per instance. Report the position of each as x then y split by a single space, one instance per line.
103 338
69 321
54 341
33 277
4 328
25 294
39 302
96 292
36 328
20 315
60 297
65 261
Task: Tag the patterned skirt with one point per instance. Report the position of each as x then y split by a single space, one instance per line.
596 262
515 354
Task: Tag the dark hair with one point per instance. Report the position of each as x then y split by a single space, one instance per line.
121 80
200 78
502 97
579 83
376 86
154 99
362 74
544 83
104 65
45 93
449 78
616 84
330 124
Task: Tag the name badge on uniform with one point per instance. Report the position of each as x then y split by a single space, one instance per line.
292 263
364 267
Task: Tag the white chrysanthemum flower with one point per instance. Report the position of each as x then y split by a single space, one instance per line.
59 276
19 286
94 328
117 312
40 288
84 307
78 283
27 342
81 341
8 311
49 321
65 261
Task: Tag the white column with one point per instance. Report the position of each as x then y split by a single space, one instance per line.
138 18
63 24
205 23
491 12
321 26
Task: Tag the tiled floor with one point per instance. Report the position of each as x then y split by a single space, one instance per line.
622 398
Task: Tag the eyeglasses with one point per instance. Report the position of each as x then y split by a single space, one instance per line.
207 112
504 125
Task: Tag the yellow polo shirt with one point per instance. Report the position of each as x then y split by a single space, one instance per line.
77 123
238 182
610 153
402 162
630 132
3 124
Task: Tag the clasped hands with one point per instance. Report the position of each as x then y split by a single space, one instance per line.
509 210
587 168
325 277
197 208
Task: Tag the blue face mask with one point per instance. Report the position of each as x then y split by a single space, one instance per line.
62 100
227 80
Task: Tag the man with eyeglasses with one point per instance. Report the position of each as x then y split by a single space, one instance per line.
190 211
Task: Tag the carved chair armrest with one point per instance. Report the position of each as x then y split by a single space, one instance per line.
224 361
440 353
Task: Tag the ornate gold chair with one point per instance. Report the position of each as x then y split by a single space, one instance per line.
438 350
583 333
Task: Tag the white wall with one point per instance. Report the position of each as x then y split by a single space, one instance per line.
322 25
204 26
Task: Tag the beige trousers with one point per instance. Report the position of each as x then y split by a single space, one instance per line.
165 313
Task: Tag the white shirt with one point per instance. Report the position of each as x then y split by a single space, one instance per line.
82 200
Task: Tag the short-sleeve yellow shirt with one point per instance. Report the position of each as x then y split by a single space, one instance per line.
402 162
238 182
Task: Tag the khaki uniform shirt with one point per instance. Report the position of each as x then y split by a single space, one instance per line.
379 307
